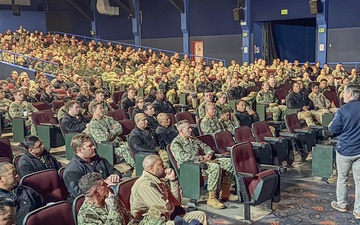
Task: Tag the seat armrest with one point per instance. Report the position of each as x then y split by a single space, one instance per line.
287 135
273 122
193 125
258 144
273 139
223 155
280 169
333 141
245 175
21 117
317 127
302 130
49 125
113 143
228 149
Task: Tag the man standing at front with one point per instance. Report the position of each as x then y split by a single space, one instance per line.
345 125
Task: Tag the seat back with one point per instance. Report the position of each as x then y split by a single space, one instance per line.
77 203
5 148
209 140
292 122
252 89
223 140
124 190
280 94
45 116
198 125
117 96
127 126
243 133
15 160
243 158
86 107
118 114
5 159
45 215
47 183
130 111
172 118
41 105
185 116
57 104
332 96
261 129
286 87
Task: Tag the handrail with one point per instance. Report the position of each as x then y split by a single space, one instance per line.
28 61
356 64
87 39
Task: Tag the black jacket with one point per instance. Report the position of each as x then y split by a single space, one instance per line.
126 103
152 122
48 98
26 199
150 98
82 99
166 135
142 141
136 111
61 85
245 119
163 107
236 93
73 124
77 168
29 163
298 100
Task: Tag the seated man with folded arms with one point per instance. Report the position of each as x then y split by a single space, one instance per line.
158 201
100 97
321 104
210 124
74 121
26 199
19 106
144 140
105 128
36 158
86 160
246 117
187 148
100 205
165 131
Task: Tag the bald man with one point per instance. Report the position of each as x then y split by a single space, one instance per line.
165 131
150 194
210 124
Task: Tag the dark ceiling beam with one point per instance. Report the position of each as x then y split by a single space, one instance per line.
88 15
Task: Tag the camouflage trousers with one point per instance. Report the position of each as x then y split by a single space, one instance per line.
307 116
124 151
165 158
276 111
112 85
320 112
29 122
214 173
198 215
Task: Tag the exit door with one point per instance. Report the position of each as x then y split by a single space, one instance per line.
197 48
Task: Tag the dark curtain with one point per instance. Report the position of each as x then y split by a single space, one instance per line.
270 51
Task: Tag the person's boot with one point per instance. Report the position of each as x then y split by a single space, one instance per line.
213 202
225 194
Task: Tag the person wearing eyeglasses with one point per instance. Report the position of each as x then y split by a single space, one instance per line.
36 158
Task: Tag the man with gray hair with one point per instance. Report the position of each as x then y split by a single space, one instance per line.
152 196
100 205
345 125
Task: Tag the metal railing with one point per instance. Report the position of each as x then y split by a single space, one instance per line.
104 41
29 62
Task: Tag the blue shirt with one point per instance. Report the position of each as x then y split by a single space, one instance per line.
346 126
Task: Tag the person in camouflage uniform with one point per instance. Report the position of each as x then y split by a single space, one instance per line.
104 128
111 78
188 88
267 97
228 120
100 206
187 148
19 106
4 105
321 104
158 201
128 78
99 97
210 124
208 97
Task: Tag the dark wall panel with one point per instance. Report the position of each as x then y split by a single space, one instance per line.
295 42
114 27
343 45
265 10
213 18
69 23
343 13
30 20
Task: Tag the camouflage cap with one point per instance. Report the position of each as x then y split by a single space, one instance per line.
87 181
